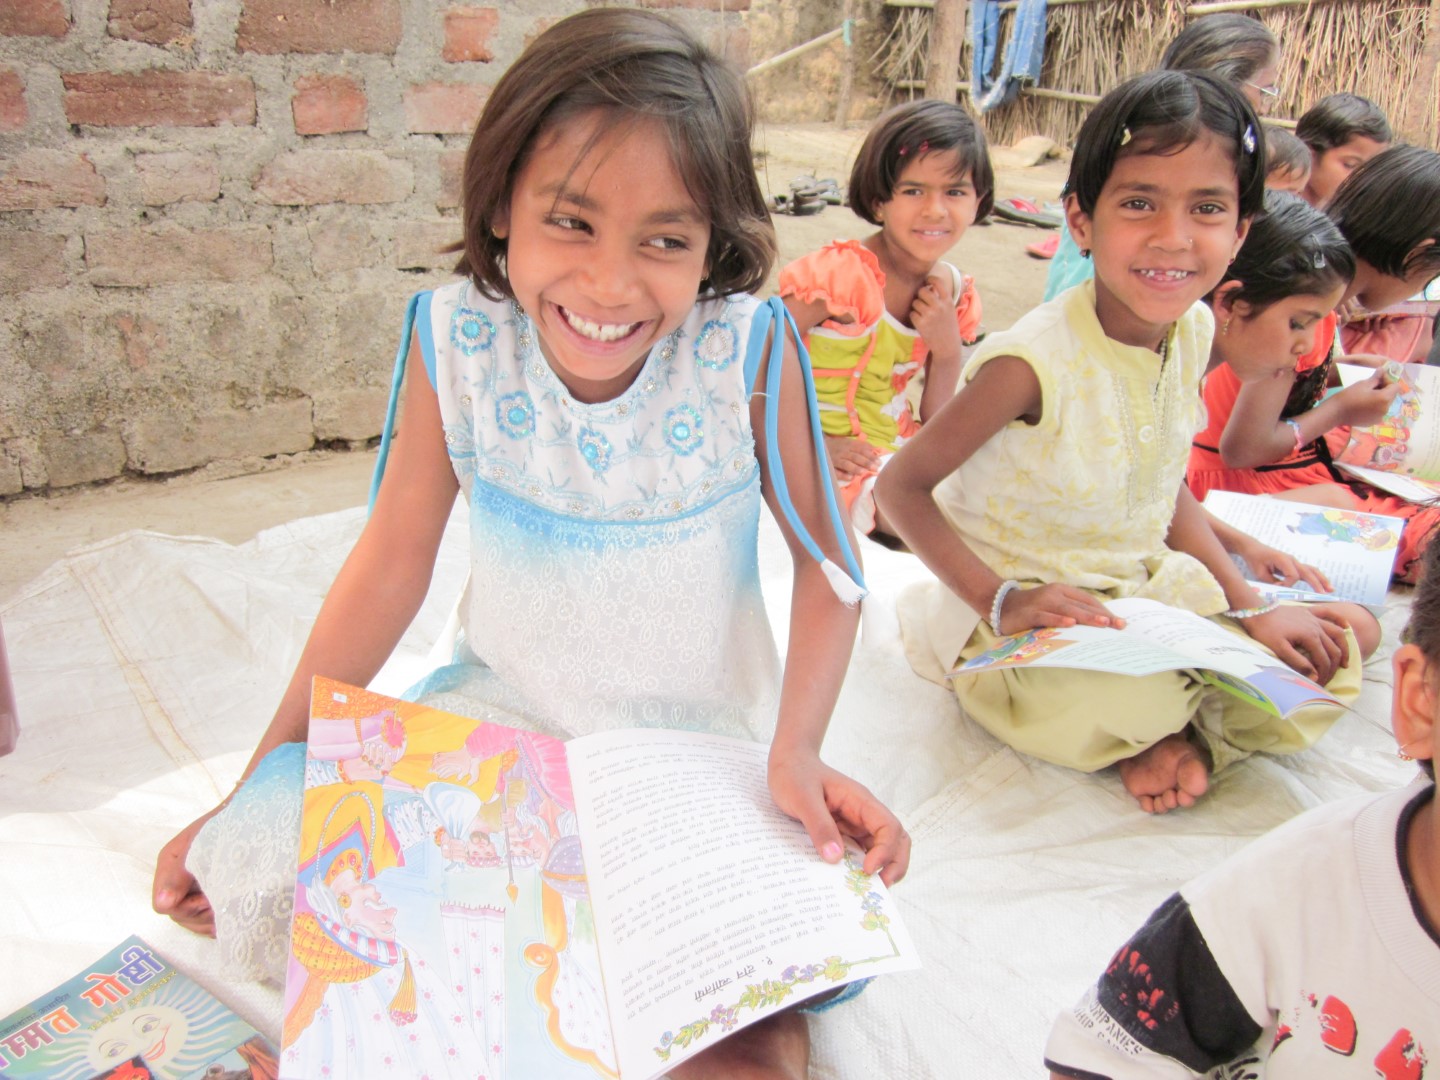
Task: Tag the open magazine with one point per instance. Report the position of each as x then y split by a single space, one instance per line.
130 1014
1158 637
1400 454
1354 549
474 899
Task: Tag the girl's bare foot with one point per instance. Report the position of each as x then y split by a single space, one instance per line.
1172 773
777 1048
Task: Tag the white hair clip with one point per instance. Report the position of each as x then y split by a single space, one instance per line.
1124 136
1319 260
1248 139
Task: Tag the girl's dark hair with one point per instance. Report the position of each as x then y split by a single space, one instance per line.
1335 120
1234 47
908 132
1389 206
1292 249
1424 626
1163 112
633 66
1283 151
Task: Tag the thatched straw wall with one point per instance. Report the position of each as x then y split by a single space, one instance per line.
1372 47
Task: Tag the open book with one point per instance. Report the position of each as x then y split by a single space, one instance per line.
1354 549
1158 637
131 1015
473 899
1400 454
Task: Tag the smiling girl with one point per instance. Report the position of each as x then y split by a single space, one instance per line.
588 387
878 312
1054 480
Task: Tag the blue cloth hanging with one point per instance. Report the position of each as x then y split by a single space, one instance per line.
1024 56
984 40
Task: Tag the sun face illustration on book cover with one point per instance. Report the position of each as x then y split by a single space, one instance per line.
131 1014
445 926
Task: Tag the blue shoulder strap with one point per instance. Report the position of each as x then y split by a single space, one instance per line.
849 584
417 312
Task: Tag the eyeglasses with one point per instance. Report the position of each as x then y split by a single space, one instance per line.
1267 91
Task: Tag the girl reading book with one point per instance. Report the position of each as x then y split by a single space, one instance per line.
1054 480
878 312
1280 436
589 386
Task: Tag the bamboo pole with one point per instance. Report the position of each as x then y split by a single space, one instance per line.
1243 5
847 68
942 61
798 50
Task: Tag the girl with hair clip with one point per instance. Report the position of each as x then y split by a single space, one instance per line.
593 386
879 311
1278 436
1054 480
1313 953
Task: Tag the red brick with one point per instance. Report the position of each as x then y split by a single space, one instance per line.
420 245
140 338
157 22
325 104
159 98
31 260
340 240
177 177
467 34
452 179
13 112
45 179
307 177
444 108
166 256
33 18
311 26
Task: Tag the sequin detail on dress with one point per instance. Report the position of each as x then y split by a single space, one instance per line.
471 330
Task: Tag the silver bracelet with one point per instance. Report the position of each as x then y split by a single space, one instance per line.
999 602
1251 612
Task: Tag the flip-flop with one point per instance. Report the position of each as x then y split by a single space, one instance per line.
1025 212
1044 249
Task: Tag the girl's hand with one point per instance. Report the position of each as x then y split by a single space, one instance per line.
1311 643
851 458
1053 605
932 314
1270 564
175 892
829 803
1366 403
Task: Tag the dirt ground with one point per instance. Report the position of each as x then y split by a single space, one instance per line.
232 501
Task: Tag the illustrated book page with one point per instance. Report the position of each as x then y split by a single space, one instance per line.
131 1014
453 905
1157 637
1354 549
1407 440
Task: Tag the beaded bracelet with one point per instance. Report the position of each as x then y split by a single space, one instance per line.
999 602
1299 439
1251 612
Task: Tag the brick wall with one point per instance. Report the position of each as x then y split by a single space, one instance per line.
212 212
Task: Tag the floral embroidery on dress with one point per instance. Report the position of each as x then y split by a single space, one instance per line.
716 346
683 429
460 444
471 330
515 413
595 449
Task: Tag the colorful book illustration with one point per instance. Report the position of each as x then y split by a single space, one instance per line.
1354 549
1406 441
1157 637
131 1014
477 900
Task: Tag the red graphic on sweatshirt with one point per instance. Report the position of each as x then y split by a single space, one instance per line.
1138 992
1403 1058
1337 1026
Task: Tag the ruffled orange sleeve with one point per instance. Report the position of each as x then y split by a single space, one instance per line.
968 310
846 277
